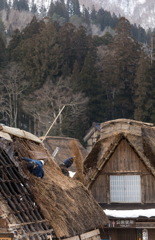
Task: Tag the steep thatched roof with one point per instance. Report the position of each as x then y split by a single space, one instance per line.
63 148
65 203
140 135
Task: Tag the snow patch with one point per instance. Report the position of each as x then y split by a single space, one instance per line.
71 174
130 213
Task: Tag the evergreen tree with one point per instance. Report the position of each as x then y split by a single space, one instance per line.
42 9
150 104
103 19
119 70
51 10
9 3
93 15
3 55
81 44
58 9
3 4
40 53
143 89
35 27
145 86
86 19
2 29
15 4
66 36
14 42
33 8
103 40
89 83
73 7
21 5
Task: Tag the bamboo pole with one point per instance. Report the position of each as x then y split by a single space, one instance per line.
54 122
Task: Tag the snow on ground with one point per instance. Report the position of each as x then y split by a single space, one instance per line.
71 174
130 213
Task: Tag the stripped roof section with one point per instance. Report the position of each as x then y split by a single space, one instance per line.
39 206
23 215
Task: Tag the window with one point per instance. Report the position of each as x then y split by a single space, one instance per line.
125 188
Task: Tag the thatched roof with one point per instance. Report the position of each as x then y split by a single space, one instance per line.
65 147
140 135
6 131
65 203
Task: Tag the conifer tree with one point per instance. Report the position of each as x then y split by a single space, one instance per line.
143 90
119 69
93 15
81 44
3 55
51 10
3 4
61 10
86 19
90 85
13 44
33 8
21 5
2 29
73 7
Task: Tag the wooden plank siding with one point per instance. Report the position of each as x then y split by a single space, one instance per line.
151 234
149 188
124 160
123 234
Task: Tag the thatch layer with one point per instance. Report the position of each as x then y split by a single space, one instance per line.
66 203
70 210
78 160
19 133
141 137
66 147
148 138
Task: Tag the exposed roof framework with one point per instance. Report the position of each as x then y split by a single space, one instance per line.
37 208
29 220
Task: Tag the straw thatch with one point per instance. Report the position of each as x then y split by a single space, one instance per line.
66 147
140 135
66 204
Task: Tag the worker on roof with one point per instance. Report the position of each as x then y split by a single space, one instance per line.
65 165
35 166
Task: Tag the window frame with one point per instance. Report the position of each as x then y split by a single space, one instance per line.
139 198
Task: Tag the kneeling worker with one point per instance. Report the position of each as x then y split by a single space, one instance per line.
35 167
65 165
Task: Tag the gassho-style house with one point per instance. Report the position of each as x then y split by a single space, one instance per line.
120 172
52 207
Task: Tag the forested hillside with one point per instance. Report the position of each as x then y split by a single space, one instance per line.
93 63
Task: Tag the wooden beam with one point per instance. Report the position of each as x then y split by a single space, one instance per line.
15 225
40 232
90 234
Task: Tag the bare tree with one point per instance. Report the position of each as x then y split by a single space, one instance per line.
12 85
47 102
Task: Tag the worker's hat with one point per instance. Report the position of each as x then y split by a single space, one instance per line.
42 161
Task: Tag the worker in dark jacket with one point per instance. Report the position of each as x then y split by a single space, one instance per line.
65 165
35 166
68 162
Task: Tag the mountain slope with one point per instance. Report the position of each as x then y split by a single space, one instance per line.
141 12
